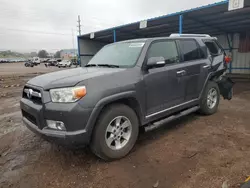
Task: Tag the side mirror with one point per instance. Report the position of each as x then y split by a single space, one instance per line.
154 62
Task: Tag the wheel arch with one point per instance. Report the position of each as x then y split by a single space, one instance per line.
212 76
126 98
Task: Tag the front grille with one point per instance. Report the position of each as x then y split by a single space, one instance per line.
30 117
32 94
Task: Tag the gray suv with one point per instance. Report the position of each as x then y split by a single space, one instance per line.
126 85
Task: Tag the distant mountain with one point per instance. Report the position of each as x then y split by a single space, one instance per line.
8 53
11 54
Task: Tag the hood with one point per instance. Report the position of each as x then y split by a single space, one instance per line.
70 77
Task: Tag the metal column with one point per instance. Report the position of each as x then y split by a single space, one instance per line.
180 23
231 51
114 35
79 54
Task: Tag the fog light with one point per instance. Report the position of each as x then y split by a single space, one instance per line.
58 125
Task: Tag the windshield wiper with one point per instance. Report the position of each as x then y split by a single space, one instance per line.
108 65
91 65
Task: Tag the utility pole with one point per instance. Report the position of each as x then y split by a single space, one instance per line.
79 24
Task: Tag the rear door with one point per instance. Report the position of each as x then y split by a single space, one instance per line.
196 67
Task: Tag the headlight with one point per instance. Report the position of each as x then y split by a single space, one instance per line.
67 95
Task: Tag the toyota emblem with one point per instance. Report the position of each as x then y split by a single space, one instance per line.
29 93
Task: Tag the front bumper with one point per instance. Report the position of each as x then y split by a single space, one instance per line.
73 115
62 137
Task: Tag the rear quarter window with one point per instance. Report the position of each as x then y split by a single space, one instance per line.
213 48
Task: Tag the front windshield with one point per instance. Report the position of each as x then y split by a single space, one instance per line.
118 54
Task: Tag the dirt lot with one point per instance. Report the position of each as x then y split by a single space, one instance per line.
193 152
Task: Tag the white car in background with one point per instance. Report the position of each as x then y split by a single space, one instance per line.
64 63
36 60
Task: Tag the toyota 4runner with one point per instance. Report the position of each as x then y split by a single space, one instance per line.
126 85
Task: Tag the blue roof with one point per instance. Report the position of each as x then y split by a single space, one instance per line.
209 17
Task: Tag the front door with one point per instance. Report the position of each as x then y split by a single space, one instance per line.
164 85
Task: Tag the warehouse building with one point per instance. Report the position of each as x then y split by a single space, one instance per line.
68 53
229 21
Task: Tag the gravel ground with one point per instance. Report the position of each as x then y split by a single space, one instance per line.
19 69
196 151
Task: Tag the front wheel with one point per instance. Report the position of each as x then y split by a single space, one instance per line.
115 133
210 99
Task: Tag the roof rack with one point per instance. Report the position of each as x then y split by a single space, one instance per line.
189 35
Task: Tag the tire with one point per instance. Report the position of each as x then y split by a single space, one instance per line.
207 106
101 136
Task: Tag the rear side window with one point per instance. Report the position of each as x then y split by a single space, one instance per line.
190 50
213 48
166 49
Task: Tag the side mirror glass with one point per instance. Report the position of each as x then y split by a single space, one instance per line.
154 62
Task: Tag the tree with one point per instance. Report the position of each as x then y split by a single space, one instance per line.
57 54
43 54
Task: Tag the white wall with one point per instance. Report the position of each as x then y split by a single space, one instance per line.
240 60
88 48
85 60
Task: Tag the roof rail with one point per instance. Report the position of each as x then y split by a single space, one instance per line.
189 35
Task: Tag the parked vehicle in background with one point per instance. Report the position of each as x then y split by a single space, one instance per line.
36 60
51 62
64 63
4 61
29 64
74 61
126 85
44 60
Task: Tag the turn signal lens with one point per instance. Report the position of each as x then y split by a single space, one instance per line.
80 92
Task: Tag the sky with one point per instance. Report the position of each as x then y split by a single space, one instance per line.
31 25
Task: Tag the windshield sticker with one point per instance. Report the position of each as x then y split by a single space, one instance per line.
136 45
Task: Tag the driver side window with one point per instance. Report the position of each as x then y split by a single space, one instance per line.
165 49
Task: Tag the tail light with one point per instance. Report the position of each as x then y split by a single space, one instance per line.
228 59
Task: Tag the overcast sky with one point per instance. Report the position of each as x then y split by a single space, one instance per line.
31 25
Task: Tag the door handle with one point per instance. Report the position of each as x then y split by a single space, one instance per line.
181 73
206 66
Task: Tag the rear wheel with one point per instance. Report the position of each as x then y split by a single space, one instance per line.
115 133
210 99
